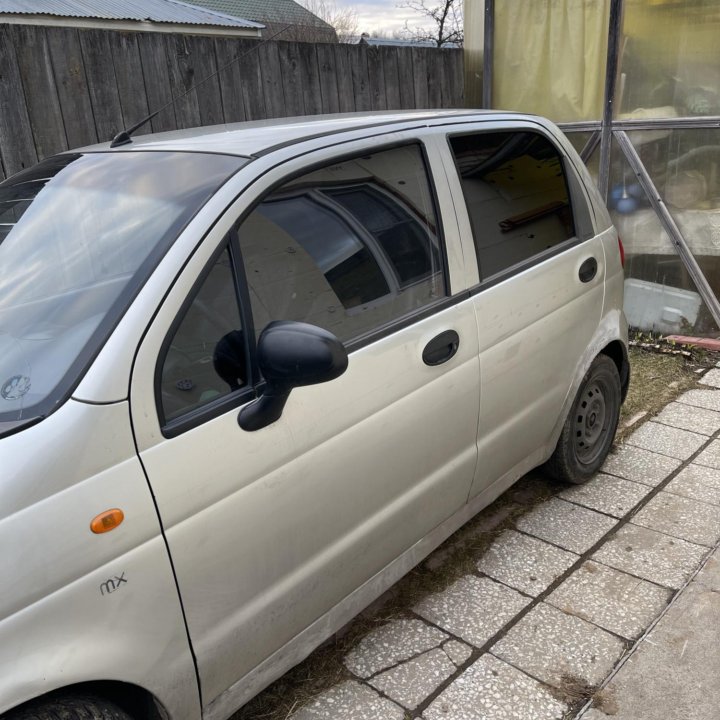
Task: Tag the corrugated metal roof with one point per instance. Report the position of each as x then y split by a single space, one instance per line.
160 11
277 11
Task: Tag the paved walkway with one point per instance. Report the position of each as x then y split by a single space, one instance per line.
557 615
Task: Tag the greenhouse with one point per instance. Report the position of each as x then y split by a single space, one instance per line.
636 86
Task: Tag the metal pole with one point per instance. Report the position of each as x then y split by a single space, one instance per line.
488 52
614 30
681 246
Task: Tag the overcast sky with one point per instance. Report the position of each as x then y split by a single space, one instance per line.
374 15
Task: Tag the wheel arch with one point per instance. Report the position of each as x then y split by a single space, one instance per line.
136 701
617 352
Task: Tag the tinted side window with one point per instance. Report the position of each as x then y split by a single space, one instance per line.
349 247
205 358
516 195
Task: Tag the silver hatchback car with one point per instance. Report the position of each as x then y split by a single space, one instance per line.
251 375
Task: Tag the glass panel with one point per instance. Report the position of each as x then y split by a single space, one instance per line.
685 167
349 247
670 64
578 139
516 196
206 358
79 234
550 57
660 295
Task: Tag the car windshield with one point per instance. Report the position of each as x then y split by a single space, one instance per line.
79 235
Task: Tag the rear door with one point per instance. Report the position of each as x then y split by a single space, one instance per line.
539 297
269 530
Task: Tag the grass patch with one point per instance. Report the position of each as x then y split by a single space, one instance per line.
657 378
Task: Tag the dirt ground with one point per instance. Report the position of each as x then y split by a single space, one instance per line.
659 372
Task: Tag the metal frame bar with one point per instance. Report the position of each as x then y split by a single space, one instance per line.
611 72
706 122
488 53
590 145
669 224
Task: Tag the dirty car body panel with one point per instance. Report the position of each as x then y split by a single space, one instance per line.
135 368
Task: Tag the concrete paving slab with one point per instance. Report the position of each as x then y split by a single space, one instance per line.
710 456
493 690
681 517
457 651
390 644
525 563
472 608
611 599
553 647
643 466
674 673
350 701
688 417
567 525
607 494
667 440
708 399
697 482
712 378
651 555
413 681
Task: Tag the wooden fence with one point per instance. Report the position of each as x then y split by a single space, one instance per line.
63 87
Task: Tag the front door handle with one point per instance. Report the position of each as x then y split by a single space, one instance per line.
441 348
588 270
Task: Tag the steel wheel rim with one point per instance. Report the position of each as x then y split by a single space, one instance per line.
593 416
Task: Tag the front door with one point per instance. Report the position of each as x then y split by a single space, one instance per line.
269 530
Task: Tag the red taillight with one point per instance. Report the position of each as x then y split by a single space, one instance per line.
622 252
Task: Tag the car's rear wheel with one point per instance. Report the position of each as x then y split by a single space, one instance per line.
69 707
590 426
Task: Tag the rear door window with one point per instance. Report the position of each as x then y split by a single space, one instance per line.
517 197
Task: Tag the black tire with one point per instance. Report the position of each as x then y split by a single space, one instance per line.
68 707
590 427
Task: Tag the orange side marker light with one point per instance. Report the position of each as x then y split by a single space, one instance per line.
106 521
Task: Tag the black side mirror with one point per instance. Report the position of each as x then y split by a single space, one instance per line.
291 354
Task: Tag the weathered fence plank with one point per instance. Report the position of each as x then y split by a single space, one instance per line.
43 105
226 52
182 79
16 140
346 93
102 84
388 56
129 77
204 64
405 73
269 61
360 78
153 55
72 88
327 67
251 78
63 87
292 78
311 78
378 97
452 80
420 85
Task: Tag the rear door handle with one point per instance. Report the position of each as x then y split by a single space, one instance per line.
441 348
588 270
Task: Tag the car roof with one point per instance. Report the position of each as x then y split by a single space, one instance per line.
258 137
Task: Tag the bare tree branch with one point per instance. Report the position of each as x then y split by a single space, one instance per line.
445 22
344 20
